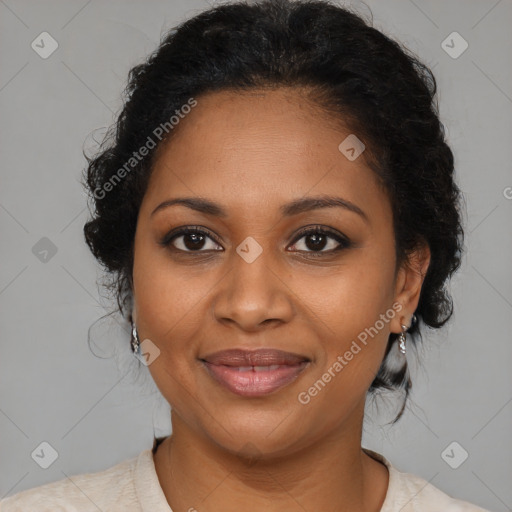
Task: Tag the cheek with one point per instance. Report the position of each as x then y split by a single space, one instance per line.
353 348
168 297
350 297
170 311
352 316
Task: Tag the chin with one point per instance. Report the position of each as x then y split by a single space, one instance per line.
261 438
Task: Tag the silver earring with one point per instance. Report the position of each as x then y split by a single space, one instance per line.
401 339
135 341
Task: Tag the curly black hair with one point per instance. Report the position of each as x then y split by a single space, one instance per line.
353 72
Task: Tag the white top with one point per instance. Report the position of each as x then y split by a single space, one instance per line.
133 486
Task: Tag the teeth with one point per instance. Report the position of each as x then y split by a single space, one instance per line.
266 368
258 368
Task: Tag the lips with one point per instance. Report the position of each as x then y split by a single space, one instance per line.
254 373
257 358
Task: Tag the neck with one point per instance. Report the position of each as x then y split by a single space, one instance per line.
331 474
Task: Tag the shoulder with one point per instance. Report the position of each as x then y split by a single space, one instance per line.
419 495
112 489
411 493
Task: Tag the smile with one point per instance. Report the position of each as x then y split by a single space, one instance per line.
254 381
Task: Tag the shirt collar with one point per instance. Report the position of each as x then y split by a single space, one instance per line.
389 503
149 491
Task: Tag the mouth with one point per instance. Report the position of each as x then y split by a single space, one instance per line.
254 373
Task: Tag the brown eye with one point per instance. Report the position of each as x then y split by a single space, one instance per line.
318 239
191 240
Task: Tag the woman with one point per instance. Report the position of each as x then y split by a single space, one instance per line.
278 212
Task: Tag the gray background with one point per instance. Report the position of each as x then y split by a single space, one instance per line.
91 406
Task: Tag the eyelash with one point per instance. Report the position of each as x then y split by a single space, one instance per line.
344 242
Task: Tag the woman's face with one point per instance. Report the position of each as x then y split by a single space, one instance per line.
254 281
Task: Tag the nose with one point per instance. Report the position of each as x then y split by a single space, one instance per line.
253 295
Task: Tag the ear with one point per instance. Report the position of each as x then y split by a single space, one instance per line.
408 286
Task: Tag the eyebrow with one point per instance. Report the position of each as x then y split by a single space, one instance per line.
293 208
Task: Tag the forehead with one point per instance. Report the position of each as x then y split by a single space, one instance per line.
260 147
